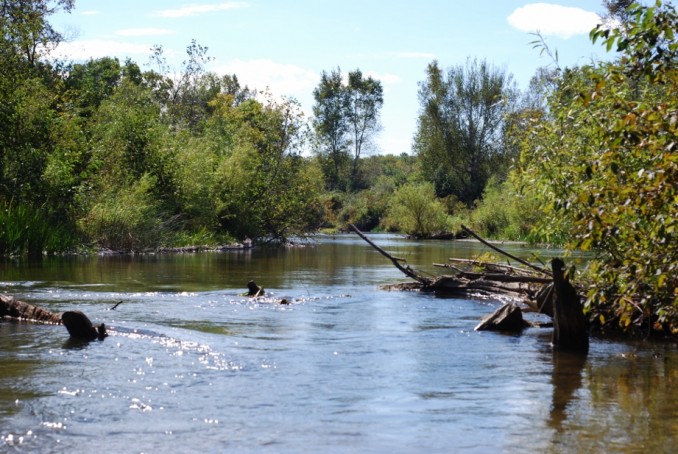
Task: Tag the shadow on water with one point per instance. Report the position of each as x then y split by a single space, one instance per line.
73 343
566 379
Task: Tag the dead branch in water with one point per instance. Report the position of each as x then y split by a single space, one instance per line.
498 280
517 259
409 272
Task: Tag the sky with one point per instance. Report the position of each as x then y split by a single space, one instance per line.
285 45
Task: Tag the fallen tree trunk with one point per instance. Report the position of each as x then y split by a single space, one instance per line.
13 308
77 323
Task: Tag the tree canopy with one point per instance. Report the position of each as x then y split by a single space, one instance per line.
346 116
459 138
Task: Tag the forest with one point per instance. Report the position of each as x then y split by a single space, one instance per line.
104 155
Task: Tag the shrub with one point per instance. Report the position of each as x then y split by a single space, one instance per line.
414 209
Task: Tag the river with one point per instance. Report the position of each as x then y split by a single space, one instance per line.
192 366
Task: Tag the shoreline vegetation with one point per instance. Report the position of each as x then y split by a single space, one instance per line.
103 156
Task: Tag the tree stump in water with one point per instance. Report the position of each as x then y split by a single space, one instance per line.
79 326
569 324
509 317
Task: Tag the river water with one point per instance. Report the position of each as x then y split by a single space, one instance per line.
192 366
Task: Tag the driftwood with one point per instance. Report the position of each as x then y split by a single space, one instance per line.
517 259
509 317
77 323
395 260
15 309
548 292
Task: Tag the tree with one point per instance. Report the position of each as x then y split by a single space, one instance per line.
25 101
25 30
188 93
346 116
459 138
618 9
88 84
604 163
331 127
365 98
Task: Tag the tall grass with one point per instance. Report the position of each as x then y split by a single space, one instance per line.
31 231
127 218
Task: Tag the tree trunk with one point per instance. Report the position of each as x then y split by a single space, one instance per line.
569 324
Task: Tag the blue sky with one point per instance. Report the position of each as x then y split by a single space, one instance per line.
285 44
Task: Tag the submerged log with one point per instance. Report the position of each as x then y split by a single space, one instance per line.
509 317
13 308
77 323
570 332
504 280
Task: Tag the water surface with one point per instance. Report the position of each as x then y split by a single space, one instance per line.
192 366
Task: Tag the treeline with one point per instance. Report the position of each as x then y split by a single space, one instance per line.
103 154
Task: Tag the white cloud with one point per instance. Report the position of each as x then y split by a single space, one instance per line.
552 19
193 10
282 79
91 12
144 32
86 49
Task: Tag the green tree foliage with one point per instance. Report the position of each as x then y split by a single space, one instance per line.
331 128
247 177
25 29
132 160
604 161
87 85
460 139
346 116
365 99
414 209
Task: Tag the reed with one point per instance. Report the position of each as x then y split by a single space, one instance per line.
31 231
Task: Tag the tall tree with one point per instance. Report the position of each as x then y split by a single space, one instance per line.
187 93
25 110
346 116
331 127
461 121
365 98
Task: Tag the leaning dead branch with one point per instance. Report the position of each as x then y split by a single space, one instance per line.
496 280
511 256
409 272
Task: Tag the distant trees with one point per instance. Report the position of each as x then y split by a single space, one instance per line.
460 135
345 118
